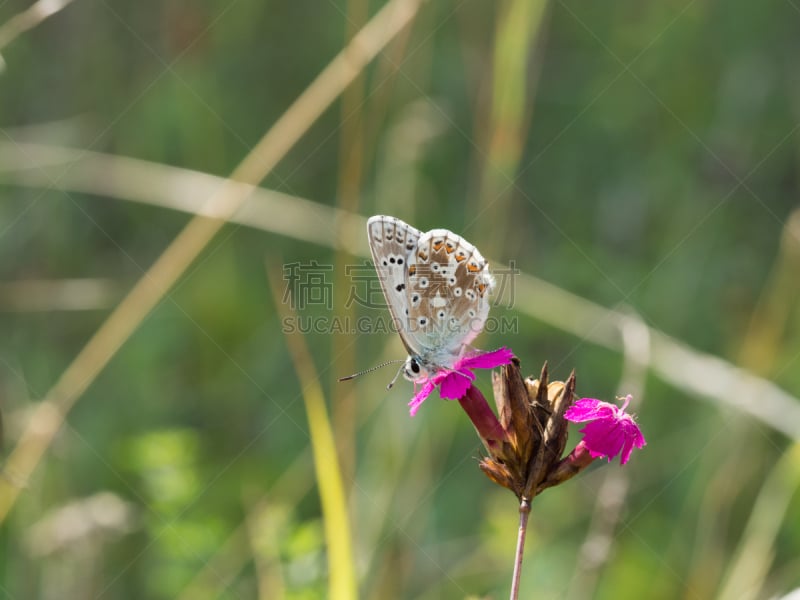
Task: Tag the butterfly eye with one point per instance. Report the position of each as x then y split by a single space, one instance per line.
414 366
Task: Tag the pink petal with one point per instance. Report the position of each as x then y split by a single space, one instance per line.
603 439
455 384
420 396
627 448
610 431
587 409
486 360
635 438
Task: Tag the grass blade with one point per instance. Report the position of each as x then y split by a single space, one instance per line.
341 566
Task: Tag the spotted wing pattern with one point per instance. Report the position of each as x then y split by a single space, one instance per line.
448 296
392 243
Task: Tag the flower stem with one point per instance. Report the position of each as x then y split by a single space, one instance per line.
524 512
486 424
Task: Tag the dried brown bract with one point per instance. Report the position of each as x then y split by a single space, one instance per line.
531 411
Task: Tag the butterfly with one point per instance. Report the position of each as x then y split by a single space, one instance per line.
437 287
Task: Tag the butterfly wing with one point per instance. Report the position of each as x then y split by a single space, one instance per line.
392 243
448 296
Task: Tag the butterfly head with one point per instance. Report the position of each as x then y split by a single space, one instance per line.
413 369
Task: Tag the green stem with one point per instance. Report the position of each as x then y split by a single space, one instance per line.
524 512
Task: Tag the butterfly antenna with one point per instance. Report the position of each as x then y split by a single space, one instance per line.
391 383
354 375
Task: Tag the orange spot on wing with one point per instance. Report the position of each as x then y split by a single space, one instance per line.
423 255
437 245
412 269
481 288
473 268
449 248
460 257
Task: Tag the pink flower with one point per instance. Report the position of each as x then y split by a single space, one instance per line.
610 430
454 383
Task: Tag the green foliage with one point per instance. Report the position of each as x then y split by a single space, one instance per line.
656 171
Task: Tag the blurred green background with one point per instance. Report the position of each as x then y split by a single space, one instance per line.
641 156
